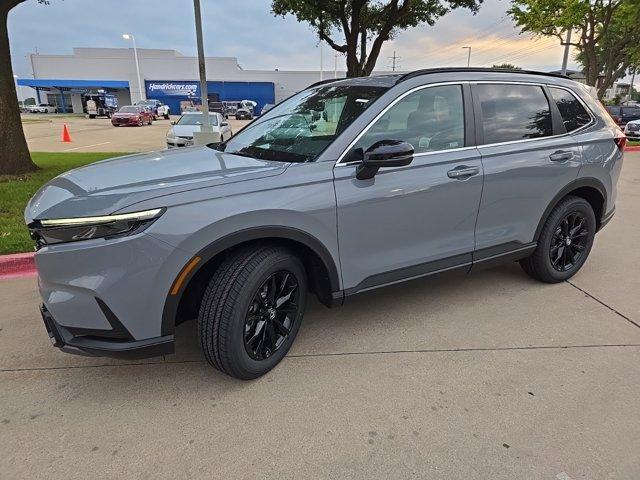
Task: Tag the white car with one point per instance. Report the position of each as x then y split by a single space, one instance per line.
157 108
181 132
43 108
632 129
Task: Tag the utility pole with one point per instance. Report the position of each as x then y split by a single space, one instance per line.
393 61
335 65
567 47
633 79
206 132
468 55
321 62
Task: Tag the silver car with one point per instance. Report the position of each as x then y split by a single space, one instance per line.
348 186
181 132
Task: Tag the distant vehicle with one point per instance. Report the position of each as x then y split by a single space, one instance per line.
266 108
181 133
623 114
132 115
100 104
632 129
43 108
244 113
158 109
220 108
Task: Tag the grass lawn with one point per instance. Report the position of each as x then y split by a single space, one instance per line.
15 192
633 143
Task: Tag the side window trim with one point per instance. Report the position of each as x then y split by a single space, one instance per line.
467 114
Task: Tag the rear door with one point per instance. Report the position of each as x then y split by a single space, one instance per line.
527 157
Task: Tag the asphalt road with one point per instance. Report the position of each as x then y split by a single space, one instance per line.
492 376
44 134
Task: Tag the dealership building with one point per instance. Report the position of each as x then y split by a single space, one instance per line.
165 75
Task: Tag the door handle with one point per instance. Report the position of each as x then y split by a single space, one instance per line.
463 172
561 156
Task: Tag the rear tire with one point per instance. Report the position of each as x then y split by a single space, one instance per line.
564 243
245 330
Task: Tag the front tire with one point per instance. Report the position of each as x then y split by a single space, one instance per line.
251 311
564 243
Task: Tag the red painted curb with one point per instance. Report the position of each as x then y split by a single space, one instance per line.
634 148
17 265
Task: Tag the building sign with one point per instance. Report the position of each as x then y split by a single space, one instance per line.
172 89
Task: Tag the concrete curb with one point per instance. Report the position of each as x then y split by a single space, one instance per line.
17 265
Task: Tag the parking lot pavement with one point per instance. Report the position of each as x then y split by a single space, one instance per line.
489 376
44 134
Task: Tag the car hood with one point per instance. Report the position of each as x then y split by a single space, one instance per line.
105 187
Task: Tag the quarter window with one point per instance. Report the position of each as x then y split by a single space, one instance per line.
574 115
514 112
430 119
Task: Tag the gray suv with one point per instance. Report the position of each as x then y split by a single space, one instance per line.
347 186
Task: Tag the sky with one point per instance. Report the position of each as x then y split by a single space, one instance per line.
247 30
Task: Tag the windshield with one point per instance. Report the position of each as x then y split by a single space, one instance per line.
300 128
130 110
146 102
196 119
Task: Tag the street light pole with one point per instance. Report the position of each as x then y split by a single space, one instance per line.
205 136
128 36
468 56
321 62
18 90
567 47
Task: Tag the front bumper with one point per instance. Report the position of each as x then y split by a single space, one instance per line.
174 142
91 344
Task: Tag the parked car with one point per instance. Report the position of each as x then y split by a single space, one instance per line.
220 108
181 132
632 129
244 113
623 114
443 170
158 109
43 108
132 115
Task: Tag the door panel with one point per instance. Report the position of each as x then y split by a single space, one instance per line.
407 217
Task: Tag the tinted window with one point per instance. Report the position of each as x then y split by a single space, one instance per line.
631 111
430 119
514 112
130 109
573 113
613 110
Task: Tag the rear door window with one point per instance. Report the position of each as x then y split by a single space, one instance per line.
514 112
574 115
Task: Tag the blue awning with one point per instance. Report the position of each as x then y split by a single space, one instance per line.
59 83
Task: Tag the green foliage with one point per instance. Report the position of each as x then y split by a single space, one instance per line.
507 66
605 32
361 22
16 190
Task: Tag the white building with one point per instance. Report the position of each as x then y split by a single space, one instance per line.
166 75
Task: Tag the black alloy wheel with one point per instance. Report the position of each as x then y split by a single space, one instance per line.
569 242
271 315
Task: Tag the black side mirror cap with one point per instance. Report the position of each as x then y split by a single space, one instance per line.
385 153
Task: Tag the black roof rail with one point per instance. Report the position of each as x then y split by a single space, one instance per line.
322 82
427 71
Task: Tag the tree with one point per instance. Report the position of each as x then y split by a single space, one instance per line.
14 154
365 24
600 26
507 66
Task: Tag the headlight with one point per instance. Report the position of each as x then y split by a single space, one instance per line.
59 230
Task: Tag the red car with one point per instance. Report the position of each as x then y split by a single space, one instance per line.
132 115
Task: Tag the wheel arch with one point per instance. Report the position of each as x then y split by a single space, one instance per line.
591 189
319 264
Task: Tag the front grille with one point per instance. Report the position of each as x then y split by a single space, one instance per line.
122 120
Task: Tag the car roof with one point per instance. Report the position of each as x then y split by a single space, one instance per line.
393 79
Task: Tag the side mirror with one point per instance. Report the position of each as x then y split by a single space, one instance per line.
224 124
173 122
385 153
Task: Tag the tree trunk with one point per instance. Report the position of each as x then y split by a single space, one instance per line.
14 154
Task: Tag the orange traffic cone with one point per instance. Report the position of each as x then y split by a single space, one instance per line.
65 134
